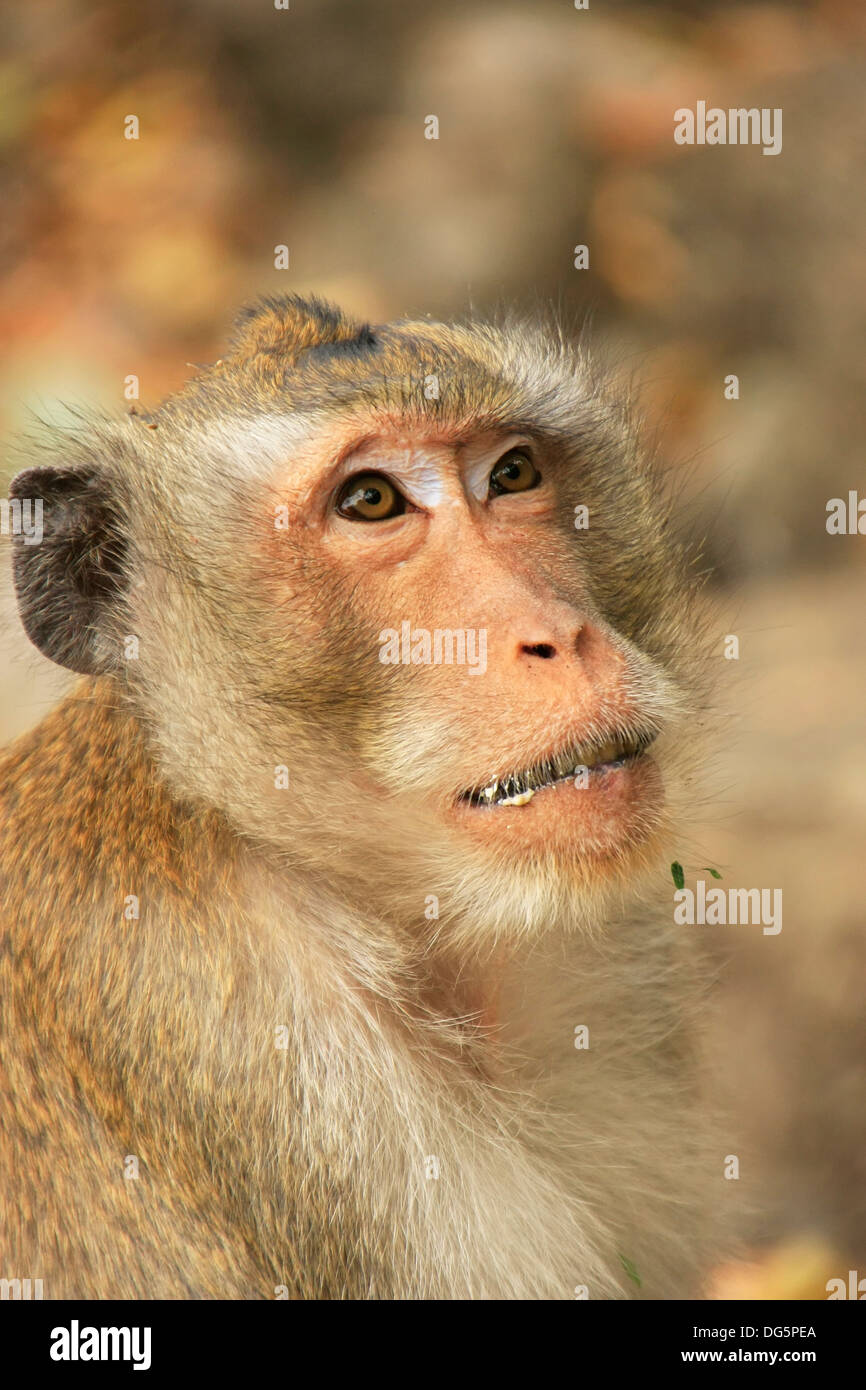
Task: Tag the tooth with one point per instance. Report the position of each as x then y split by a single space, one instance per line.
520 799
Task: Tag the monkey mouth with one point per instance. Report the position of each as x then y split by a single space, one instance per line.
590 758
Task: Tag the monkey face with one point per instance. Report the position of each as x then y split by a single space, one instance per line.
405 607
496 691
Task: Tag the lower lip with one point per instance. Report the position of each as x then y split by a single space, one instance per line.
618 799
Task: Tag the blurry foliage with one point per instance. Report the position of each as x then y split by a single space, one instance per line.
795 1270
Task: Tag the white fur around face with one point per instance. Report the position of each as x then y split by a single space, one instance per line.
542 1180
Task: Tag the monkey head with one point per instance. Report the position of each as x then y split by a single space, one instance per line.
400 603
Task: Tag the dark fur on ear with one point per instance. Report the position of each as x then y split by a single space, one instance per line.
291 324
66 581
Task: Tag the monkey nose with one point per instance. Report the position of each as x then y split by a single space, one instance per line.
544 650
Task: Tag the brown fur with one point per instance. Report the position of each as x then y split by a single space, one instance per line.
304 1167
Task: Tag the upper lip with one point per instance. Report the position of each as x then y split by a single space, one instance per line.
609 747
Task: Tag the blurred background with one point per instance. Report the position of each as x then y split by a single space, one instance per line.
304 127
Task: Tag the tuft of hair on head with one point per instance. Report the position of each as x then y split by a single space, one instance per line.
291 324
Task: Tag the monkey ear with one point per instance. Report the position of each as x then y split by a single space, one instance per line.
290 324
67 562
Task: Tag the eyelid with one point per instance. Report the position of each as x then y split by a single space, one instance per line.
477 472
419 495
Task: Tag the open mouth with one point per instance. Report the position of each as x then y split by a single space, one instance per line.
517 788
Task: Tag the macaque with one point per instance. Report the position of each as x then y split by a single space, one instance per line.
338 962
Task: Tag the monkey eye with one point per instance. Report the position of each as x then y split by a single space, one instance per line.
370 497
515 472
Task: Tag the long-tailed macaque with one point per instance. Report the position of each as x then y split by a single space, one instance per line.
337 959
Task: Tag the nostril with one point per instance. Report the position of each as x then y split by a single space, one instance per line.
542 649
